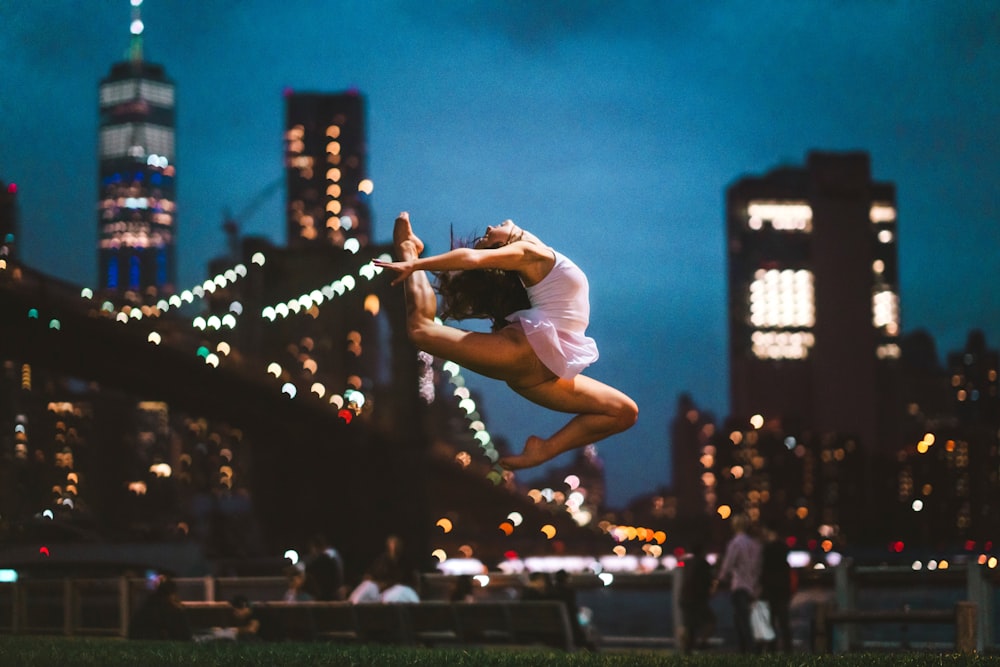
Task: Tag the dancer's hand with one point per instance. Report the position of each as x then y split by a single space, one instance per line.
403 269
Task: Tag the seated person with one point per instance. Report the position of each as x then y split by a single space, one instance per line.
397 592
366 591
161 615
246 619
296 591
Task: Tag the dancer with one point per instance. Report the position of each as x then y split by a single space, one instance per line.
539 303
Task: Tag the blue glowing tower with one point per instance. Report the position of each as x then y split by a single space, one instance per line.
136 196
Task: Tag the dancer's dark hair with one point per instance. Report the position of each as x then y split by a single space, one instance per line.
490 294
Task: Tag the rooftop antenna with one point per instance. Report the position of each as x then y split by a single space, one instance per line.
135 28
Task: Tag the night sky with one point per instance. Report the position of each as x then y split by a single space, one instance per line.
610 129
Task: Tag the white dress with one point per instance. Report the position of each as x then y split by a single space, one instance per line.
556 323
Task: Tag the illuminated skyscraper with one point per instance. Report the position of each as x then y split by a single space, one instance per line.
814 299
325 163
136 204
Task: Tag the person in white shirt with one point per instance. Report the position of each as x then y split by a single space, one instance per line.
399 593
366 591
740 568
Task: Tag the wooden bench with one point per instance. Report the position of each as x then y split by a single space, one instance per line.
541 622
962 617
297 621
205 615
434 623
430 623
484 622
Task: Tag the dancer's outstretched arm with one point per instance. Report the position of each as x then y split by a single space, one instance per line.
520 256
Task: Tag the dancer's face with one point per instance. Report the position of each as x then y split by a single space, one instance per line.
496 237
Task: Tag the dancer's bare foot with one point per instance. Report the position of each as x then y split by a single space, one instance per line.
536 452
402 231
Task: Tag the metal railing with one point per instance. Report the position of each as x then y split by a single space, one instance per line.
962 597
850 597
103 606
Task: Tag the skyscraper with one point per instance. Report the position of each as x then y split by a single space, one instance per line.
813 299
327 184
136 227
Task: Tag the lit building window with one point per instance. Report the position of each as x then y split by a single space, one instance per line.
885 311
119 140
888 351
782 216
117 92
782 299
782 310
115 140
157 93
781 344
882 213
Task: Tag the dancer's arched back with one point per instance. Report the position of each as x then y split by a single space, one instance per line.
538 351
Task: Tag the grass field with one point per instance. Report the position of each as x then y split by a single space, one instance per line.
69 652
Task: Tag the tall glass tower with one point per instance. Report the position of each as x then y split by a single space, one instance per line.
325 167
136 205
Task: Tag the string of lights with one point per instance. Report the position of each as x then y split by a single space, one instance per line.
352 400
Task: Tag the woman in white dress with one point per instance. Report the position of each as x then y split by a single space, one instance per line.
538 301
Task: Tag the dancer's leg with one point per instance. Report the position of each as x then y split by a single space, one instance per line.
421 302
504 355
602 411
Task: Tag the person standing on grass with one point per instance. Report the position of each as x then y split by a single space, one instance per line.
740 569
776 586
697 617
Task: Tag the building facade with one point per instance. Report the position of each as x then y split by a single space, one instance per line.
136 226
814 315
949 466
326 170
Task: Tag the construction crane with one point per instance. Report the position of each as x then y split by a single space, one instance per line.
231 223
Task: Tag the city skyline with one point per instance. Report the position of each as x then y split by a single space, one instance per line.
611 134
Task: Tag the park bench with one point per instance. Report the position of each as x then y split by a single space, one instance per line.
434 623
431 623
962 617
